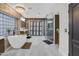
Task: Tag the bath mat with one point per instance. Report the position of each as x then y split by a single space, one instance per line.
47 42
27 45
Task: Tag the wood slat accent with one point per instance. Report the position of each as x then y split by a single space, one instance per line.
17 26
36 18
9 10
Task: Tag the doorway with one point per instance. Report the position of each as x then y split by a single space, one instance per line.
57 29
74 29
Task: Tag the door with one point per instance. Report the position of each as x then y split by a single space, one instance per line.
74 29
56 29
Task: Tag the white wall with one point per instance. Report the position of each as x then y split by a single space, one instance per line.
63 38
62 10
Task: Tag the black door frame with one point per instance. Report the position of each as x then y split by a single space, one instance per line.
71 6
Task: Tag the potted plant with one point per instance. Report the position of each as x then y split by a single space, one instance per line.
8 30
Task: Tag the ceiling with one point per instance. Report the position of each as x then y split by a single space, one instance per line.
38 10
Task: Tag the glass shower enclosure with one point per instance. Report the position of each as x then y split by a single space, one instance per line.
49 34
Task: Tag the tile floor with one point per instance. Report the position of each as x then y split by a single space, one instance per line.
38 48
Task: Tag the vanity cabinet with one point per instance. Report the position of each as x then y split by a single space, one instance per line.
2 45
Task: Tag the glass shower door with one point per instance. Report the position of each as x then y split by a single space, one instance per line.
50 29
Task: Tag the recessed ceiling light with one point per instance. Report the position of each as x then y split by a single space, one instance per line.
30 8
39 13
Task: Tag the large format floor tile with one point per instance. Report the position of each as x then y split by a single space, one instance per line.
38 48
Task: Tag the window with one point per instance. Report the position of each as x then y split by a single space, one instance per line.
6 22
36 28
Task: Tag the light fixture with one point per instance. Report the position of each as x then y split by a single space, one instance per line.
49 21
23 19
20 8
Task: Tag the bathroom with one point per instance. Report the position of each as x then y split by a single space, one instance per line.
14 29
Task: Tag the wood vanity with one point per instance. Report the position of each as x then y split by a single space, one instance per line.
2 44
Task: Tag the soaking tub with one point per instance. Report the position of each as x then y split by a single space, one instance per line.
17 41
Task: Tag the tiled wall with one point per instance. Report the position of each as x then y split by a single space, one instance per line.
6 22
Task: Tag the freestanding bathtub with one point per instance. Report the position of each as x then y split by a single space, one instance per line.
17 41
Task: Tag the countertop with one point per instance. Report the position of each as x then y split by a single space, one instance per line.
2 37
